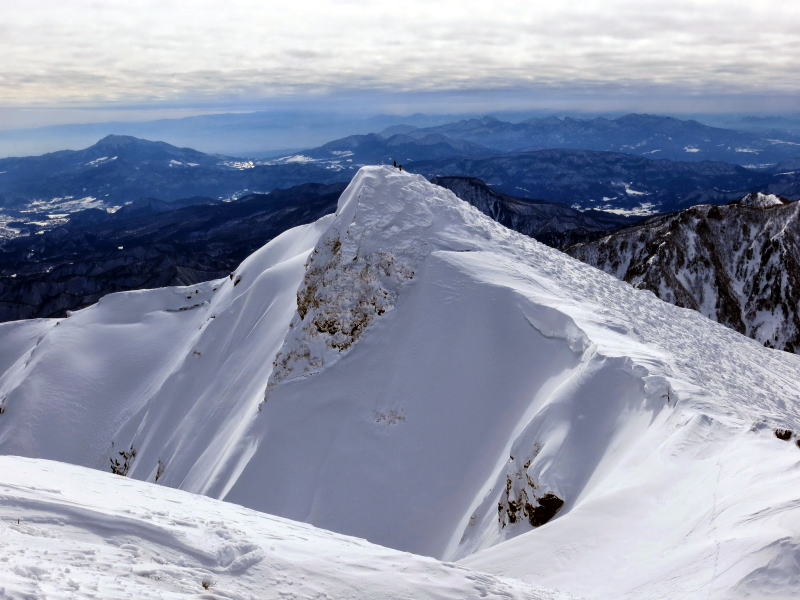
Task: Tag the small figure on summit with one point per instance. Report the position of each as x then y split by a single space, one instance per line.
394 163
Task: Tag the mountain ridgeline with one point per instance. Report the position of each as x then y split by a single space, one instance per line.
654 136
151 243
127 213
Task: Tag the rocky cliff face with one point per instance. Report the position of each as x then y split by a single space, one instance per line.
738 264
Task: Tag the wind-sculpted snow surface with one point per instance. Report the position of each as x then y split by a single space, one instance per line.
442 385
69 532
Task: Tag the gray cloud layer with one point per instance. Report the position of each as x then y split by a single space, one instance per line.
94 52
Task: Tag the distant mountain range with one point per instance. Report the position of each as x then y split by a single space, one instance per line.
641 164
118 169
650 136
615 164
626 183
737 264
259 134
40 192
377 149
643 135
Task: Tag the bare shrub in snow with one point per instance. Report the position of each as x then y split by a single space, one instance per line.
121 467
160 470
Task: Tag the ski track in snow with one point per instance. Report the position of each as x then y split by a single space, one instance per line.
440 369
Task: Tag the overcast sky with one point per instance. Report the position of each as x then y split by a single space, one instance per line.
190 55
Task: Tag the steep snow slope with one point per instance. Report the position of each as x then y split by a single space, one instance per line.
737 264
441 385
70 532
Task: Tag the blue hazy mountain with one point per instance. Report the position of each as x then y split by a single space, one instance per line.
119 169
644 135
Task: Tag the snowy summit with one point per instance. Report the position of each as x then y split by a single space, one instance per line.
410 372
761 200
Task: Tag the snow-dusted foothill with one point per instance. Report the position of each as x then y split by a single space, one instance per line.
411 372
68 532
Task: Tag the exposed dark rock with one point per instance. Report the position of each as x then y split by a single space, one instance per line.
549 505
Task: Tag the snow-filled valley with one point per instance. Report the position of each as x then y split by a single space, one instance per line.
410 372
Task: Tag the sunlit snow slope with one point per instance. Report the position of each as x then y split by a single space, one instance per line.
440 384
69 532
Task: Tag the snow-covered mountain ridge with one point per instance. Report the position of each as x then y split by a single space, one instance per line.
738 264
442 383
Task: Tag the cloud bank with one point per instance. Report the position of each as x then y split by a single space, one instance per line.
92 52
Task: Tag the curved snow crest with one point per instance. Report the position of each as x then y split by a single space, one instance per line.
387 222
737 264
73 532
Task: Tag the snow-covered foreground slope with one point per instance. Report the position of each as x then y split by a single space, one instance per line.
71 532
440 385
